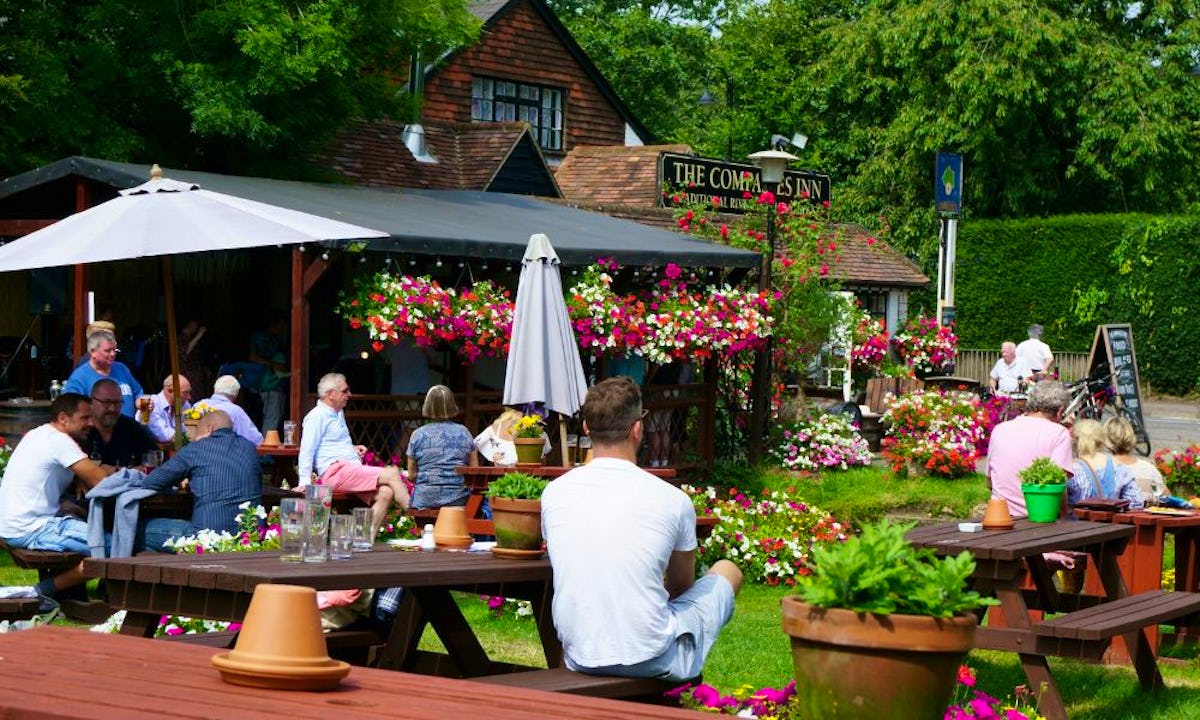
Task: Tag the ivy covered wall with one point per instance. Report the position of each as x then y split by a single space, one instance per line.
1072 273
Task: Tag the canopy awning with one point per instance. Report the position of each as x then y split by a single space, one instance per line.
449 223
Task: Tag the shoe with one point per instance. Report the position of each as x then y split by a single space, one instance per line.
91 612
46 604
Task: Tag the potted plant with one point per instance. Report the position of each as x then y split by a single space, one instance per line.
1043 483
879 627
529 438
516 500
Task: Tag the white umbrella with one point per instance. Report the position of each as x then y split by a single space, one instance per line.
543 357
165 217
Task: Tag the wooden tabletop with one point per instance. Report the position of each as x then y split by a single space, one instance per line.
1141 517
383 567
1025 539
139 679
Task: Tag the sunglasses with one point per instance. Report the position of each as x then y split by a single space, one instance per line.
118 401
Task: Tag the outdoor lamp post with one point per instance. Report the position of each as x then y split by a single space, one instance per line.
772 165
708 100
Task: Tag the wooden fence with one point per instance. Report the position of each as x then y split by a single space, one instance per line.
978 363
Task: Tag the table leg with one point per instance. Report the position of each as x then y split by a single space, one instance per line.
405 634
140 624
454 631
1187 574
1137 642
1036 667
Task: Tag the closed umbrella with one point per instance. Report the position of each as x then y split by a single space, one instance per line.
164 217
543 356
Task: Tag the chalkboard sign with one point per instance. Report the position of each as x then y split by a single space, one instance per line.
1113 346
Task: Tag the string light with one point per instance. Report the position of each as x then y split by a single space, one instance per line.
325 255
439 262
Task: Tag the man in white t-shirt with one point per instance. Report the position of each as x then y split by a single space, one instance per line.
1036 353
41 468
623 547
1009 371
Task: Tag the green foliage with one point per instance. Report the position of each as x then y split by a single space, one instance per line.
1080 271
881 572
229 84
1043 471
517 486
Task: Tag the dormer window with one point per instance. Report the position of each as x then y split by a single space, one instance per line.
507 101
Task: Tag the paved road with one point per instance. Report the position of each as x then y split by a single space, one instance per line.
1171 423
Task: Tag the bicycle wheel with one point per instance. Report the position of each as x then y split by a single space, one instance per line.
1141 441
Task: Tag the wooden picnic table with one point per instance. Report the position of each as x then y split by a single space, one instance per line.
136 679
1142 562
218 586
284 467
1089 622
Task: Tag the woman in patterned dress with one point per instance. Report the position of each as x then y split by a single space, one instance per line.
435 449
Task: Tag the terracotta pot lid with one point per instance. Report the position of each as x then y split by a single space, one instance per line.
319 677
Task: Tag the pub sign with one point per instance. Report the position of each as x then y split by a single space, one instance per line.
698 180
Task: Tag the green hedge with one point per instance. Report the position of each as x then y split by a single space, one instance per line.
1072 273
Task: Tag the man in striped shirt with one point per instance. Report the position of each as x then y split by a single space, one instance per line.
220 468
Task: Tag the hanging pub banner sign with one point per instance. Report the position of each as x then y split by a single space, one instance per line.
697 180
1113 346
947 183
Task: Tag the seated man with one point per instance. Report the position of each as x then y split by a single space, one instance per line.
42 466
626 598
220 468
1009 372
162 410
118 440
329 458
225 391
1015 444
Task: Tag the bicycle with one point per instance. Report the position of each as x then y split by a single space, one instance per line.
1095 397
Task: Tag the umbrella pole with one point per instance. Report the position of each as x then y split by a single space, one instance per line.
172 347
562 439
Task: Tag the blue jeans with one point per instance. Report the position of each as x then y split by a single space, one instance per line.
59 534
152 534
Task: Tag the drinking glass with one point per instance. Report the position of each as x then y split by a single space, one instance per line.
363 539
291 529
341 536
152 459
289 432
316 531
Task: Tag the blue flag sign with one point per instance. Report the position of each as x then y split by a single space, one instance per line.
947 183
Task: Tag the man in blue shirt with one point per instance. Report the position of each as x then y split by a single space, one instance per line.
222 473
328 457
102 363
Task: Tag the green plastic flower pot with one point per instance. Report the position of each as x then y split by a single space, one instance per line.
1043 502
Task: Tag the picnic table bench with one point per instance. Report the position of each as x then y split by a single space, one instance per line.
1089 622
148 680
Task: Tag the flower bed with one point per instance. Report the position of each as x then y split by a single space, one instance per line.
1180 469
828 441
926 346
933 432
770 539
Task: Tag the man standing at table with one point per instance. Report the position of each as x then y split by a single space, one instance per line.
42 466
162 408
626 598
222 472
102 363
328 457
225 391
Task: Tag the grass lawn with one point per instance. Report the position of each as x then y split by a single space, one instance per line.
753 650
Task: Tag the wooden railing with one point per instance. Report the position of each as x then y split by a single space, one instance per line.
978 363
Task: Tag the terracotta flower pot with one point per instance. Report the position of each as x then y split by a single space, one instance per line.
529 450
450 529
281 644
857 665
518 523
705 525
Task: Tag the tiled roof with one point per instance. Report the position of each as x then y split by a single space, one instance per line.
601 177
862 259
468 155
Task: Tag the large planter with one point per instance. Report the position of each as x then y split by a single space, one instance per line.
857 665
518 524
529 450
1043 502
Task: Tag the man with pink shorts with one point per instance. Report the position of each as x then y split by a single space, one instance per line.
328 457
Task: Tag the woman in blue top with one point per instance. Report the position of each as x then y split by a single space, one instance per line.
435 449
1096 475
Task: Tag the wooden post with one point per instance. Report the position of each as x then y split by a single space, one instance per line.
83 200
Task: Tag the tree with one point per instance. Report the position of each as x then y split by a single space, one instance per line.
1057 107
245 85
